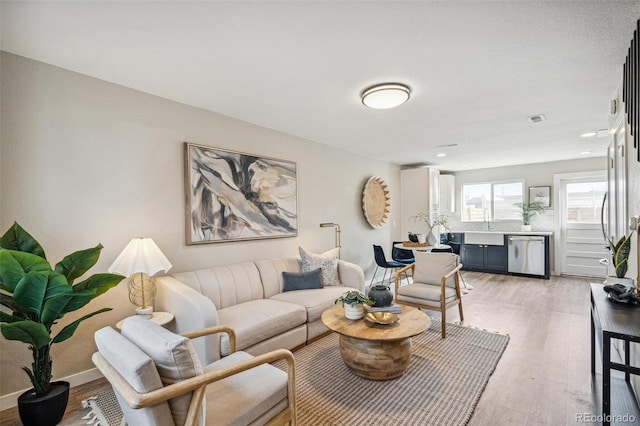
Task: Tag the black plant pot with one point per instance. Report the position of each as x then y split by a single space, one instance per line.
45 410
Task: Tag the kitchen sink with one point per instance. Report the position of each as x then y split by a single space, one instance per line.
488 238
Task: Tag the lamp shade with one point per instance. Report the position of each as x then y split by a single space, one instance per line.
141 255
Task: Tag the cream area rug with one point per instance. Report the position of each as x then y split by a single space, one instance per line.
441 386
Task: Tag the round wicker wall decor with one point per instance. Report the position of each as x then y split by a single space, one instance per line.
375 202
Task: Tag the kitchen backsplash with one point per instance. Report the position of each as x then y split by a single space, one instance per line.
544 222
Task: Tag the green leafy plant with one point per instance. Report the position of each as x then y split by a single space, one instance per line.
529 210
38 295
620 254
354 297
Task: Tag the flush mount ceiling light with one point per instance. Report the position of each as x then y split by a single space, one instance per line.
385 96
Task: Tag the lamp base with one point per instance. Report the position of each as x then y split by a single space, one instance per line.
146 311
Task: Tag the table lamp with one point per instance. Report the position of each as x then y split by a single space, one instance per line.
139 261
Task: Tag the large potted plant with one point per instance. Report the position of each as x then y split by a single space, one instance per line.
528 211
35 296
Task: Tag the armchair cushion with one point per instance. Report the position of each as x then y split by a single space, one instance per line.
173 355
425 294
139 370
301 280
327 261
242 398
431 267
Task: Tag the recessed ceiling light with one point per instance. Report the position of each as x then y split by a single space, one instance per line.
385 96
585 152
538 118
588 135
463 166
441 154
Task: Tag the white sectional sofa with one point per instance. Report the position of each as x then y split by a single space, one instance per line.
249 298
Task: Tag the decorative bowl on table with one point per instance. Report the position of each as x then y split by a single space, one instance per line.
381 317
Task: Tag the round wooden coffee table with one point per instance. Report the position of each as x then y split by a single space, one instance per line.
376 351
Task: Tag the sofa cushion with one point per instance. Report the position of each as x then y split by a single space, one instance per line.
315 301
327 261
174 356
139 370
271 273
259 320
226 285
292 281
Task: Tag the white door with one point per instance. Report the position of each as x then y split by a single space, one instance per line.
582 243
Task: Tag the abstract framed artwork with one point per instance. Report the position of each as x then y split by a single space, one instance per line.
234 196
540 194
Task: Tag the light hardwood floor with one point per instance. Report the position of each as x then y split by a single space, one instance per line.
543 377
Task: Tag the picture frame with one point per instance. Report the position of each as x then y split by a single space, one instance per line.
541 194
235 196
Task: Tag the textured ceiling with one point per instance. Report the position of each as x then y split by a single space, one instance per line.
477 69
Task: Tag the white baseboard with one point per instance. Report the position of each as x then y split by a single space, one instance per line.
11 400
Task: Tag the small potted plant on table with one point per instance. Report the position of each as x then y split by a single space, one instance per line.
353 302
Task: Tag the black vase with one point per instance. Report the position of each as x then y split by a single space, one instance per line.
380 295
45 410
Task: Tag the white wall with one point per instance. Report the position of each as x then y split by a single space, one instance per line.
633 209
85 161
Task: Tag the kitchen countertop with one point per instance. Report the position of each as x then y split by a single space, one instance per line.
509 232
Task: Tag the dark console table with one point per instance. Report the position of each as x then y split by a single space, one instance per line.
613 321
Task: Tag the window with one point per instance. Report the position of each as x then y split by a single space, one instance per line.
491 201
584 201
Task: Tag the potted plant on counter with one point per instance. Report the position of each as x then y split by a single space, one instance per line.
37 297
353 302
528 211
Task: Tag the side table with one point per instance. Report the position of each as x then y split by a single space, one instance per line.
613 321
160 318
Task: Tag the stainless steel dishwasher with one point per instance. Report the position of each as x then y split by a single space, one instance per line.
526 254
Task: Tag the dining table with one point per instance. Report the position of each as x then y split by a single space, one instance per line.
420 248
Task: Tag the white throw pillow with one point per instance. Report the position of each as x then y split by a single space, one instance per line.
327 262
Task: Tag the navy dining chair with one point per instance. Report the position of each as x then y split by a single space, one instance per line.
382 262
402 255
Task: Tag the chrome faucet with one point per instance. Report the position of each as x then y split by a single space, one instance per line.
486 219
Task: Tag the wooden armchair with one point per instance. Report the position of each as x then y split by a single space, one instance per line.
435 286
158 379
